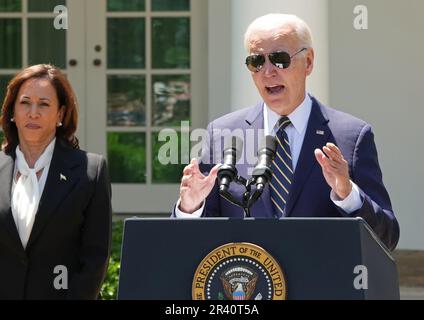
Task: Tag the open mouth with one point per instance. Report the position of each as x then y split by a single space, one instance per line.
275 89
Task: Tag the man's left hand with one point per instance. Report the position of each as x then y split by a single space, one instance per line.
335 169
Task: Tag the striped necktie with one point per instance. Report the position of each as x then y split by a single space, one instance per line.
282 170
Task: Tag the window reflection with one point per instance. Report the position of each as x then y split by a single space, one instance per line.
171 102
126 101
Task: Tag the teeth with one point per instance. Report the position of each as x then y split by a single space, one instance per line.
276 86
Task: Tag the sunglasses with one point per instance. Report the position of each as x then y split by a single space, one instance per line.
280 59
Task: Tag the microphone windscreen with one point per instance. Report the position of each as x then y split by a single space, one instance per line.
235 143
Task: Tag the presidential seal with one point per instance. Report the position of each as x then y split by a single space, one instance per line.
239 271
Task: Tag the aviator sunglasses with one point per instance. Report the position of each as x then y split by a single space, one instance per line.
280 59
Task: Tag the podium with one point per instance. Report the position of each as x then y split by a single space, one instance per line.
321 258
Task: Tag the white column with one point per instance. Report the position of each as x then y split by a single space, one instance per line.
219 57
243 12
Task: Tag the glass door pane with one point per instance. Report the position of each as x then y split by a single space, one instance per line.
44 5
126 101
171 100
170 5
4 80
10 43
171 172
171 43
127 157
126 50
119 5
45 43
10 6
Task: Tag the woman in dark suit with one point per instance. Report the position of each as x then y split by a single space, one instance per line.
55 199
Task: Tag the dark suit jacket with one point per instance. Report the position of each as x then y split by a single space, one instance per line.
310 194
72 228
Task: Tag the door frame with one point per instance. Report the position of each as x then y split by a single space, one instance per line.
132 198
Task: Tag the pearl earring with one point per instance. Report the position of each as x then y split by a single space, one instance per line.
59 124
12 119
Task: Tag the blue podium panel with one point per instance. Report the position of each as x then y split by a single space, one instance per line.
320 258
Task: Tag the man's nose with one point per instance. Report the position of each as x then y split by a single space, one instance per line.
268 68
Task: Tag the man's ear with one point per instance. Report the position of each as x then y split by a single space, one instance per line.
310 55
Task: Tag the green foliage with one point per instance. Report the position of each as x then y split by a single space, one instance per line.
167 173
127 157
10 6
171 43
11 43
119 5
109 289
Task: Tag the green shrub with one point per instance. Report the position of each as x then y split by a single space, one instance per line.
109 289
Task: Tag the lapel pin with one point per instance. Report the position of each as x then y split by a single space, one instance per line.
320 132
62 177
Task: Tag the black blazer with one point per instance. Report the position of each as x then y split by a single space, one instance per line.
72 228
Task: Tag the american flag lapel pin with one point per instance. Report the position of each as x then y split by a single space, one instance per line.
62 177
320 132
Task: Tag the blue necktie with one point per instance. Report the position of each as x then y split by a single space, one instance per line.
282 170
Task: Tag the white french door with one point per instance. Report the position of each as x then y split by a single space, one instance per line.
28 36
137 66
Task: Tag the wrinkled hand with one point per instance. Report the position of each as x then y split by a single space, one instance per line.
335 169
195 186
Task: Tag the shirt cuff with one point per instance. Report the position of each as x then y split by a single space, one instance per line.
352 202
183 215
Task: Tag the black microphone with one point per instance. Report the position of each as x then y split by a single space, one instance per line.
266 153
227 172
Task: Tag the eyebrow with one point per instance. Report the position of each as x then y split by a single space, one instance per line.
26 97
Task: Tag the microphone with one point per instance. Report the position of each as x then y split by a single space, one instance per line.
228 172
266 153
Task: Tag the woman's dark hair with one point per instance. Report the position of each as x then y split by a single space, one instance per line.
66 98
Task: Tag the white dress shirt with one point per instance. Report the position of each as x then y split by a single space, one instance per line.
43 177
25 205
296 134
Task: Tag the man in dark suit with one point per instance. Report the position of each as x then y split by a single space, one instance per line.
326 163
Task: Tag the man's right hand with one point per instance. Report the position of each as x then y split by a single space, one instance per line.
195 186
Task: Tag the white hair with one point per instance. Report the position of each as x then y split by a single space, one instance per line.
279 20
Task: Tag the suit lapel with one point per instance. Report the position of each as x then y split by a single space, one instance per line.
6 217
59 183
316 136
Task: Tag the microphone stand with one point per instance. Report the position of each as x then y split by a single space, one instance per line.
249 198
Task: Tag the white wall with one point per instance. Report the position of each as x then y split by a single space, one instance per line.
230 84
219 59
377 75
243 12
